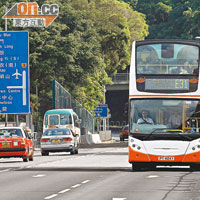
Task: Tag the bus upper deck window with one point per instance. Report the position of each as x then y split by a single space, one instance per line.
167 50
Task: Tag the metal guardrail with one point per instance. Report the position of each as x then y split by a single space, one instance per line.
117 124
63 99
120 78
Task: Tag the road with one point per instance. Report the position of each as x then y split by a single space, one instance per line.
101 173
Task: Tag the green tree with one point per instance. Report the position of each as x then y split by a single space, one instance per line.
118 25
171 18
87 41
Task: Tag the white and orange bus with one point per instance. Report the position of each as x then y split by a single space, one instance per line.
164 104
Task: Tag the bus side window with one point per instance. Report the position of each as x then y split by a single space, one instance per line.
70 119
46 120
76 121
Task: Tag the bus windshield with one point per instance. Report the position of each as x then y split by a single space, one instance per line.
180 116
165 58
59 119
65 119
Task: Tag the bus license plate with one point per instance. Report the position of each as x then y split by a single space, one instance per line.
165 158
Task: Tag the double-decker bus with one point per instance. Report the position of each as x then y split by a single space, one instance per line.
164 104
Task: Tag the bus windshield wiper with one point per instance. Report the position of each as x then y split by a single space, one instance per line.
185 136
154 131
161 129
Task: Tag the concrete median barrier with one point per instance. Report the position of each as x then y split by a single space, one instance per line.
90 139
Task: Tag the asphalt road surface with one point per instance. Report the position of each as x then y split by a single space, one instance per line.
101 173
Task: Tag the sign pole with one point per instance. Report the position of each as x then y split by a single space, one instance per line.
6 124
104 119
17 120
6 28
6 25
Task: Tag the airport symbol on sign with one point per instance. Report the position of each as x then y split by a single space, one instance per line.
16 74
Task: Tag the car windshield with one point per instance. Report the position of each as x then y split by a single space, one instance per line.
54 132
165 116
10 133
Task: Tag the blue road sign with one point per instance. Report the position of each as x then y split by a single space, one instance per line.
101 110
14 72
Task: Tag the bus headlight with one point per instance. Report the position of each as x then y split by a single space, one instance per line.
136 146
132 140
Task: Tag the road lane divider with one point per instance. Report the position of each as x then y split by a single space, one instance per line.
86 181
75 186
51 196
38 175
153 176
118 198
63 191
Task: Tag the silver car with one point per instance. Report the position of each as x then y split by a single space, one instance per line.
59 140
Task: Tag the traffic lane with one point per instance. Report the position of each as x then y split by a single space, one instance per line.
9 163
99 184
158 185
35 185
114 181
101 158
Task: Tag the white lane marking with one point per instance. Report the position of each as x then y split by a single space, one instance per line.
153 176
51 196
86 181
75 186
63 191
118 198
39 176
5 170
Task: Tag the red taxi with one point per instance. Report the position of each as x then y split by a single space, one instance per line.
15 142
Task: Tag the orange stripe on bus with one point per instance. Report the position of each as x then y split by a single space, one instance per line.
137 156
192 157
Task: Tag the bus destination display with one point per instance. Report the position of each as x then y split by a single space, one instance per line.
166 84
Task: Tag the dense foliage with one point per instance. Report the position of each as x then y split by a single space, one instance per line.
88 41
175 19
